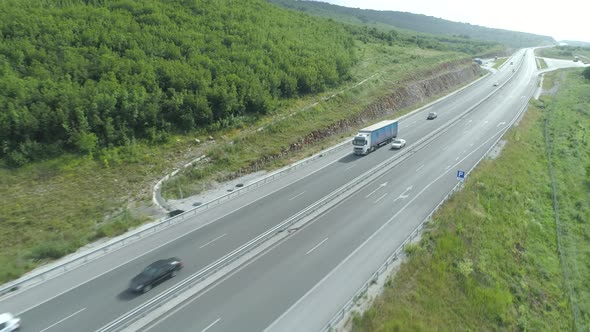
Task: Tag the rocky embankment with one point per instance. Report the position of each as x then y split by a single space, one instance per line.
412 91
403 94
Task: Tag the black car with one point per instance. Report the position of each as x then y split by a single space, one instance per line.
155 273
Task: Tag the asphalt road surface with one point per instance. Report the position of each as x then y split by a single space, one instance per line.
258 294
254 297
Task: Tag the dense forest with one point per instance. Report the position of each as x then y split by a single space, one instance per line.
84 75
78 75
417 22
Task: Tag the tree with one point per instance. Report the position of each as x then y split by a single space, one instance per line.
87 142
586 73
84 75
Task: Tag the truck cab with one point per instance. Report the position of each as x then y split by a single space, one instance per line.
361 144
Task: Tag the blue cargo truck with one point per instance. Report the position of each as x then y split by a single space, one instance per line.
370 138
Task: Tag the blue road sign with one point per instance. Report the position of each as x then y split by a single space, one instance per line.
461 176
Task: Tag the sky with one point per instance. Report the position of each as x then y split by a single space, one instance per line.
562 20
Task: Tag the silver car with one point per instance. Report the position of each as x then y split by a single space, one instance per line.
431 116
9 323
398 143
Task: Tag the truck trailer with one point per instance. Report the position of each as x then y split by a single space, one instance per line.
370 138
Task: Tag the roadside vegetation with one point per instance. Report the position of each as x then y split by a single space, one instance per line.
55 206
509 252
499 62
245 149
80 76
564 52
83 186
541 64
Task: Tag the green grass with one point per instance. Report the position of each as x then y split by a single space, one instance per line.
383 69
541 64
51 208
499 62
564 52
490 259
568 128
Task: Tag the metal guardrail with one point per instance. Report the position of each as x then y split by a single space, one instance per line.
345 190
399 250
117 243
123 240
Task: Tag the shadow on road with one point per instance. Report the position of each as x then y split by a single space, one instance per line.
127 295
349 158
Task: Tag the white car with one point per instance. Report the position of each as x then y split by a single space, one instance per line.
398 143
9 323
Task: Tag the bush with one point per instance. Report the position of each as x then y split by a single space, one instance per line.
50 250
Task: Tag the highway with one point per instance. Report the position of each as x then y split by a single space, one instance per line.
256 295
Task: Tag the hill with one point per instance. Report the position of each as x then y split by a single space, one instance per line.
81 75
575 43
101 98
417 22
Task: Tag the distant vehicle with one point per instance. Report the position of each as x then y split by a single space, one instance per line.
370 138
9 323
576 59
495 83
431 116
398 143
155 273
511 62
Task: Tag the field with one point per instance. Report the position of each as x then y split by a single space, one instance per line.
510 251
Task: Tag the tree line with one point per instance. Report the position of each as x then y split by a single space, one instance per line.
79 75
418 22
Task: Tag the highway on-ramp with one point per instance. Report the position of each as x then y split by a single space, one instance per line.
254 296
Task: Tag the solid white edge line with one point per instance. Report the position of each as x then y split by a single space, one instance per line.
319 283
126 262
158 247
402 117
52 325
316 246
